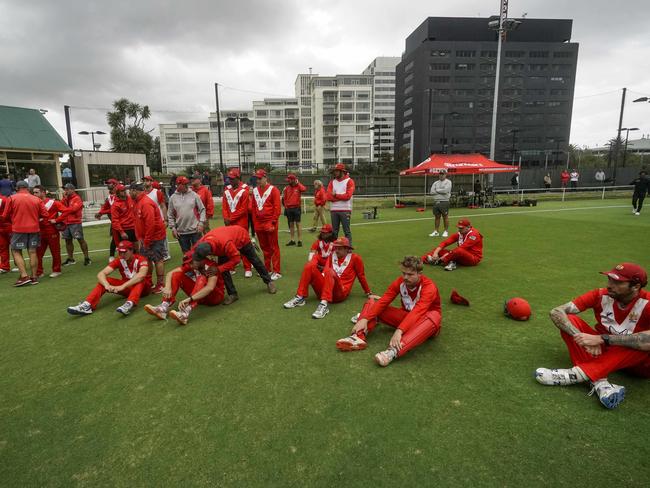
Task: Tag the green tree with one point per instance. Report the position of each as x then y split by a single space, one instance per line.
128 133
154 160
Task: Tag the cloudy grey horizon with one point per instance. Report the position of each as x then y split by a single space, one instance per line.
168 55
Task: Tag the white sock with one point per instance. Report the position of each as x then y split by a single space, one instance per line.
600 382
323 302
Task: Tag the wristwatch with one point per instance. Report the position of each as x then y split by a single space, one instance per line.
605 338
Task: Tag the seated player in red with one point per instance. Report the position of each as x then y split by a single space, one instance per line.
322 247
620 339
201 281
334 283
418 319
468 253
135 282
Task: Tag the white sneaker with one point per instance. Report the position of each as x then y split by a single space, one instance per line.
557 377
355 318
55 274
445 234
637 213
83 308
159 311
609 394
451 266
182 317
295 302
234 271
167 258
321 311
434 234
275 276
126 308
351 343
384 358
248 274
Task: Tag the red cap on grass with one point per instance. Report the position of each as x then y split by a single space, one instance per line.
631 272
458 299
517 308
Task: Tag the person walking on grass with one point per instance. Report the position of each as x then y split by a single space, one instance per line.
441 192
320 199
641 188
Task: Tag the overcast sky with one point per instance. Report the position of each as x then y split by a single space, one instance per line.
168 54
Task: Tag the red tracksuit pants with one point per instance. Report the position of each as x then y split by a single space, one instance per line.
327 285
428 327
268 241
5 239
612 358
133 293
53 241
459 256
180 281
243 223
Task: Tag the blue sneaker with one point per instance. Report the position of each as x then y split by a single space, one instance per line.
609 394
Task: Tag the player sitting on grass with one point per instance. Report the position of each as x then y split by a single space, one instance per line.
199 278
334 283
620 341
468 253
322 247
135 282
418 318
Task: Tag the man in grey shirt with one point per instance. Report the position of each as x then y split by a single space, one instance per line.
441 192
185 215
33 179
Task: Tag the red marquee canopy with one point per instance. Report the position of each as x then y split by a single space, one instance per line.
460 164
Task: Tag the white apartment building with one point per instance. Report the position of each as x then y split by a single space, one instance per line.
184 144
383 100
237 139
277 132
303 88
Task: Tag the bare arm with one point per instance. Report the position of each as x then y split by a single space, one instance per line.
141 275
561 320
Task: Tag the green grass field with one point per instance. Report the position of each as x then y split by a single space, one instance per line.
255 395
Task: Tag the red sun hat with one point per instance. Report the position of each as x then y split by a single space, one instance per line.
631 272
463 223
124 246
340 167
517 308
182 180
260 173
342 242
327 228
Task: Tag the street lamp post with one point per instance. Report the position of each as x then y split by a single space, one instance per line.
351 142
92 136
444 130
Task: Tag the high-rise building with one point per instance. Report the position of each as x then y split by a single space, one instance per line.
276 132
383 103
445 89
184 144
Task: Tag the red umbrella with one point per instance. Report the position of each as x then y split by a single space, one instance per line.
460 164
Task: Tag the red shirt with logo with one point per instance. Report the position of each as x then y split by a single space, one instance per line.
53 207
235 205
266 208
128 269
149 225
348 269
471 242
321 251
226 242
123 214
320 197
73 209
611 319
25 210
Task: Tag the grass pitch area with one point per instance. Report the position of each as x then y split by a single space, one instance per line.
255 395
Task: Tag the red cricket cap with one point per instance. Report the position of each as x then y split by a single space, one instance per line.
120 187
260 173
339 166
327 228
458 299
112 181
148 178
234 173
628 272
124 246
342 242
291 177
182 180
463 223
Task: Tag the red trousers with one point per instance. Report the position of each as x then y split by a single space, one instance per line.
180 281
5 238
268 241
612 358
53 241
459 255
428 327
327 285
133 293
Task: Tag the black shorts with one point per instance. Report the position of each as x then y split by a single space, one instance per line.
293 214
155 252
25 240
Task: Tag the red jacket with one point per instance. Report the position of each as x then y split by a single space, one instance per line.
321 250
123 214
205 195
25 210
425 298
348 271
226 242
53 207
472 242
320 197
291 195
5 221
73 209
266 208
105 209
149 225
235 205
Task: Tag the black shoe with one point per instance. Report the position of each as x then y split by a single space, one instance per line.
299 244
291 243
87 261
69 262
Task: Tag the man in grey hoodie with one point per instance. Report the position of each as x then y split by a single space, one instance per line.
185 215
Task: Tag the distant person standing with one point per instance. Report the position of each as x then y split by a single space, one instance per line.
441 192
33 179
66 175
340 191
205 194
7 186
641 188
547 181
71 215
600 177
514 181
574 176
292 201
206 179
266 211
320 199
564 178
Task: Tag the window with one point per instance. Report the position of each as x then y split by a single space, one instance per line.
465 54
306 144
171 157
537 79
262 135
559 91
509 104
261 145
277 145
172 136
365 106
277 134
188 147
189 157
514 67
380 104
561 67
463 105
439 66
261 124
535 91
408 78
347 117
440 92
538 67
440 52
512 91
557 103
346 94
408 101
464 79
439 79
277 155
173 147
563 54
559 79
409 66
408 89
538 54
463 92
488 54
261 113
408 112
363 117
187 137
384 97
408 123
515 54
346 107
490 67
465 66
535 103
99 173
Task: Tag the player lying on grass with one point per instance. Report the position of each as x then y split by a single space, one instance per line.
468 253
334 283
418 319
201 281
134 283
620 340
